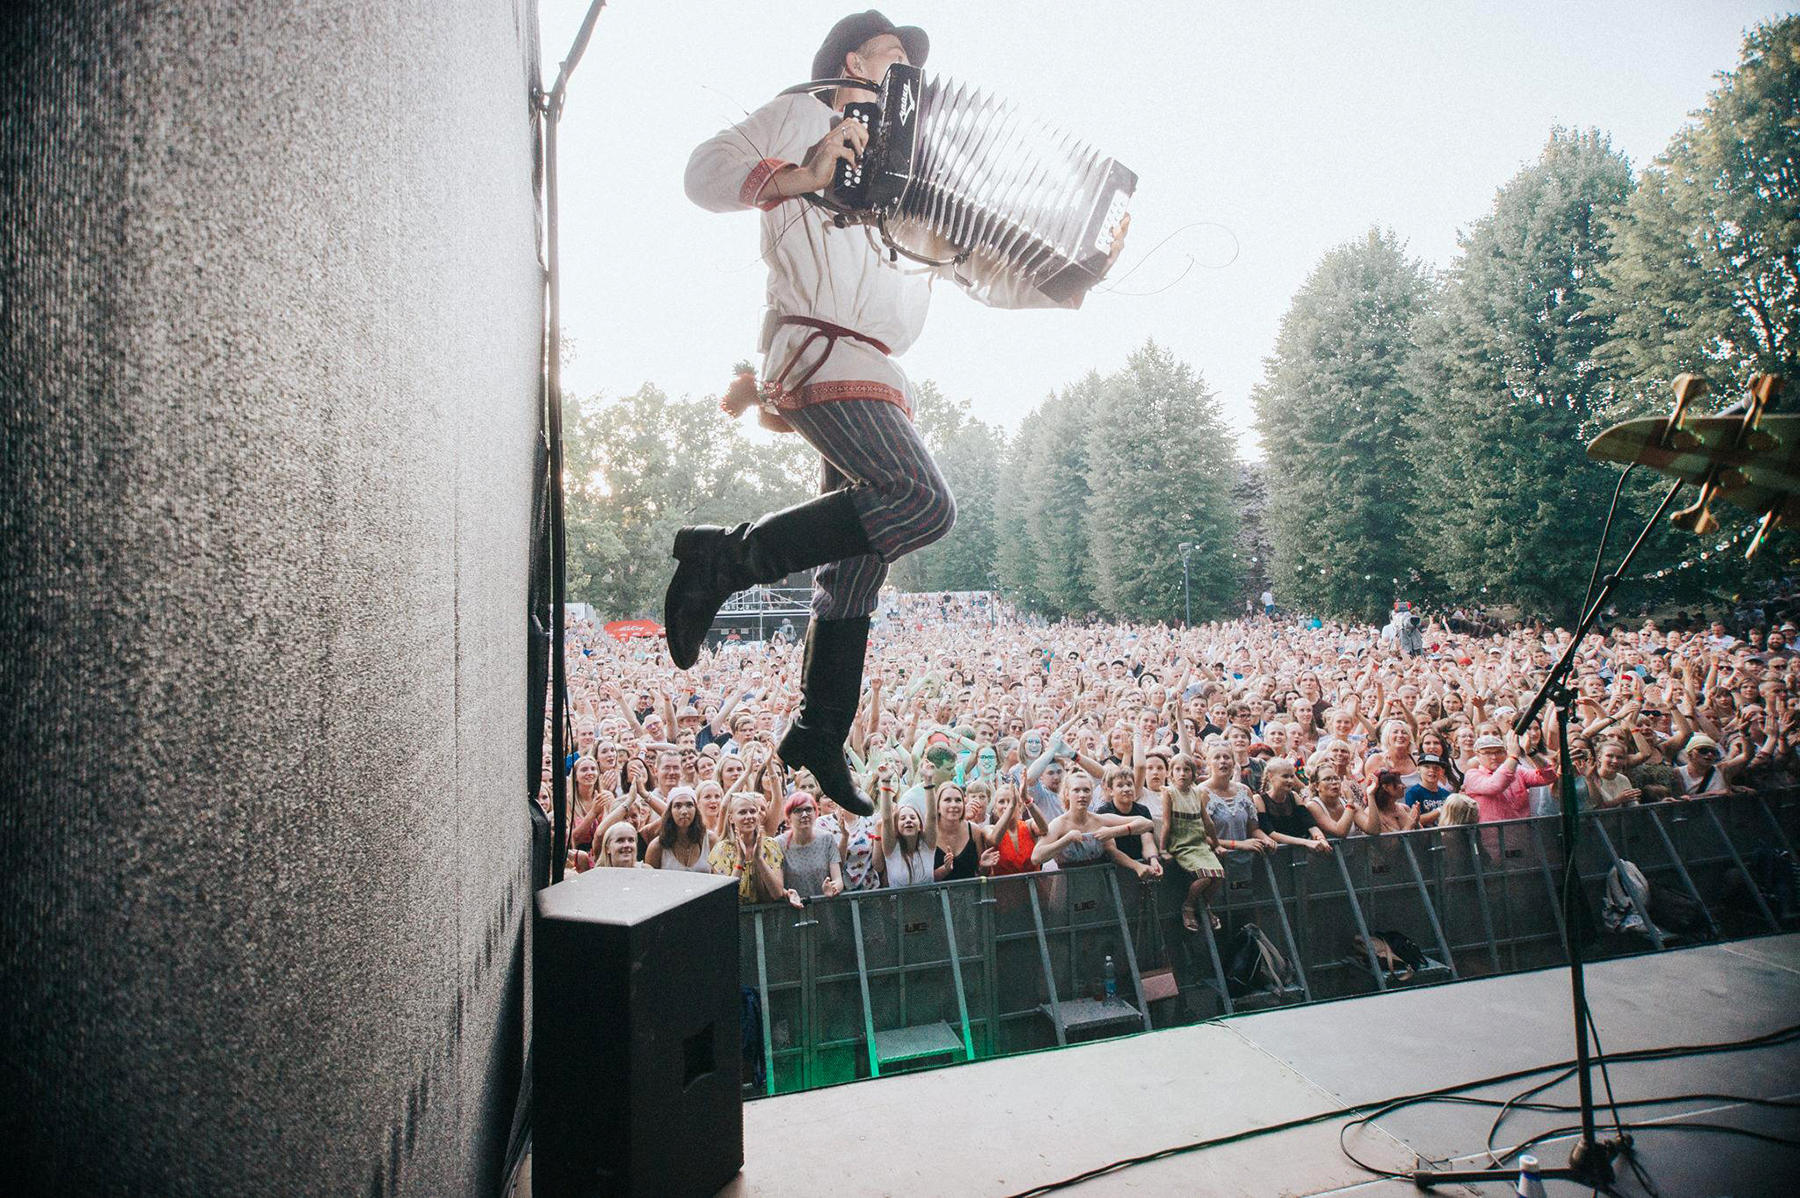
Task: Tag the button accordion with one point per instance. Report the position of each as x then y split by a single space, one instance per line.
949 164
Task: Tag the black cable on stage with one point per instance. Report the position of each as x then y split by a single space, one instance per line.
1682 1125
1564 1071
1375 1109
1517 1102
1627 1146
1600 1057
1566 1068
1497 1160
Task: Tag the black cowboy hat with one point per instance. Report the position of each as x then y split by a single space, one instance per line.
858 28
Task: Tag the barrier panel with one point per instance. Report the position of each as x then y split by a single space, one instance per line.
865 984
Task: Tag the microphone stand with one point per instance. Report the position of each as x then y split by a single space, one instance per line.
1590 1161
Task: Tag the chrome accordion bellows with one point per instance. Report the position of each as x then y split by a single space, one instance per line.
969 169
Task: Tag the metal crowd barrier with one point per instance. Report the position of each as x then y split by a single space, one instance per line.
864 984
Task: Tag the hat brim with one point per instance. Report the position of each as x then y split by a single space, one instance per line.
912 39
915 42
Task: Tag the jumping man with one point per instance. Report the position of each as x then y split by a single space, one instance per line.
840 309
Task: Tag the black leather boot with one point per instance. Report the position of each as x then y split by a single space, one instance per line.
831 674
716 563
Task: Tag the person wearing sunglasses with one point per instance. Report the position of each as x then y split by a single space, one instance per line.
1705 770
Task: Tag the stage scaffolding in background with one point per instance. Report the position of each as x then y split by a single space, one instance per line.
764 609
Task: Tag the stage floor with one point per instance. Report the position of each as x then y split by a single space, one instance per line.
1011 1124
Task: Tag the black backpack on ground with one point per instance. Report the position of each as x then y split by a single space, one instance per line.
1406 949
1256 964
1677 911
1773 873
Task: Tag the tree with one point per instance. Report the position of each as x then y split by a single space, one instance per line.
1159 467
1509 385
637 468
1056 499
1015 558
1335 411
965 559
1250 498
968 452
1703 274
937 417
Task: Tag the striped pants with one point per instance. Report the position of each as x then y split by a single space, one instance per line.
898 491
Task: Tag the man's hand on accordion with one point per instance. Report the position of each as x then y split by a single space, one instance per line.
1118 243
844 143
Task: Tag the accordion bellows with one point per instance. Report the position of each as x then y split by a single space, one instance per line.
972 170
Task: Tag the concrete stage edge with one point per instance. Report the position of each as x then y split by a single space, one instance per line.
1007 1125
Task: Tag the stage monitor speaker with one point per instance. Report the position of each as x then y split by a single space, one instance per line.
636 1018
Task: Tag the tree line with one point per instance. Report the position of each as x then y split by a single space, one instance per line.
1423 431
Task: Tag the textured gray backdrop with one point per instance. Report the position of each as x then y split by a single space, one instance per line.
269 337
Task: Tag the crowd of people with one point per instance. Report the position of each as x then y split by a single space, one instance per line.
995 744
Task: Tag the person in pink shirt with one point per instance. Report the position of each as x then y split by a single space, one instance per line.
1497 784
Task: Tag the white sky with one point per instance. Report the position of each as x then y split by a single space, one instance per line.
1293 126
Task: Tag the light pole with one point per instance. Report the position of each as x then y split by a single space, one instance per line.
1187 603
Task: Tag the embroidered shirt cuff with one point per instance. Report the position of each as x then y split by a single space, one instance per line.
760 174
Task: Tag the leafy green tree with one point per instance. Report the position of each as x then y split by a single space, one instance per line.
965 559
937 417
1056 499
1159 467
1335 412
639 467
1015 557
1703 277
968 452
593 544
1703 274
1250 498
1509 385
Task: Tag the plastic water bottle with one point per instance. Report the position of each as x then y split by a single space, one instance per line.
1530 1184
1112 980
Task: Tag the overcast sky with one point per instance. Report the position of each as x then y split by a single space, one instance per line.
1263 134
